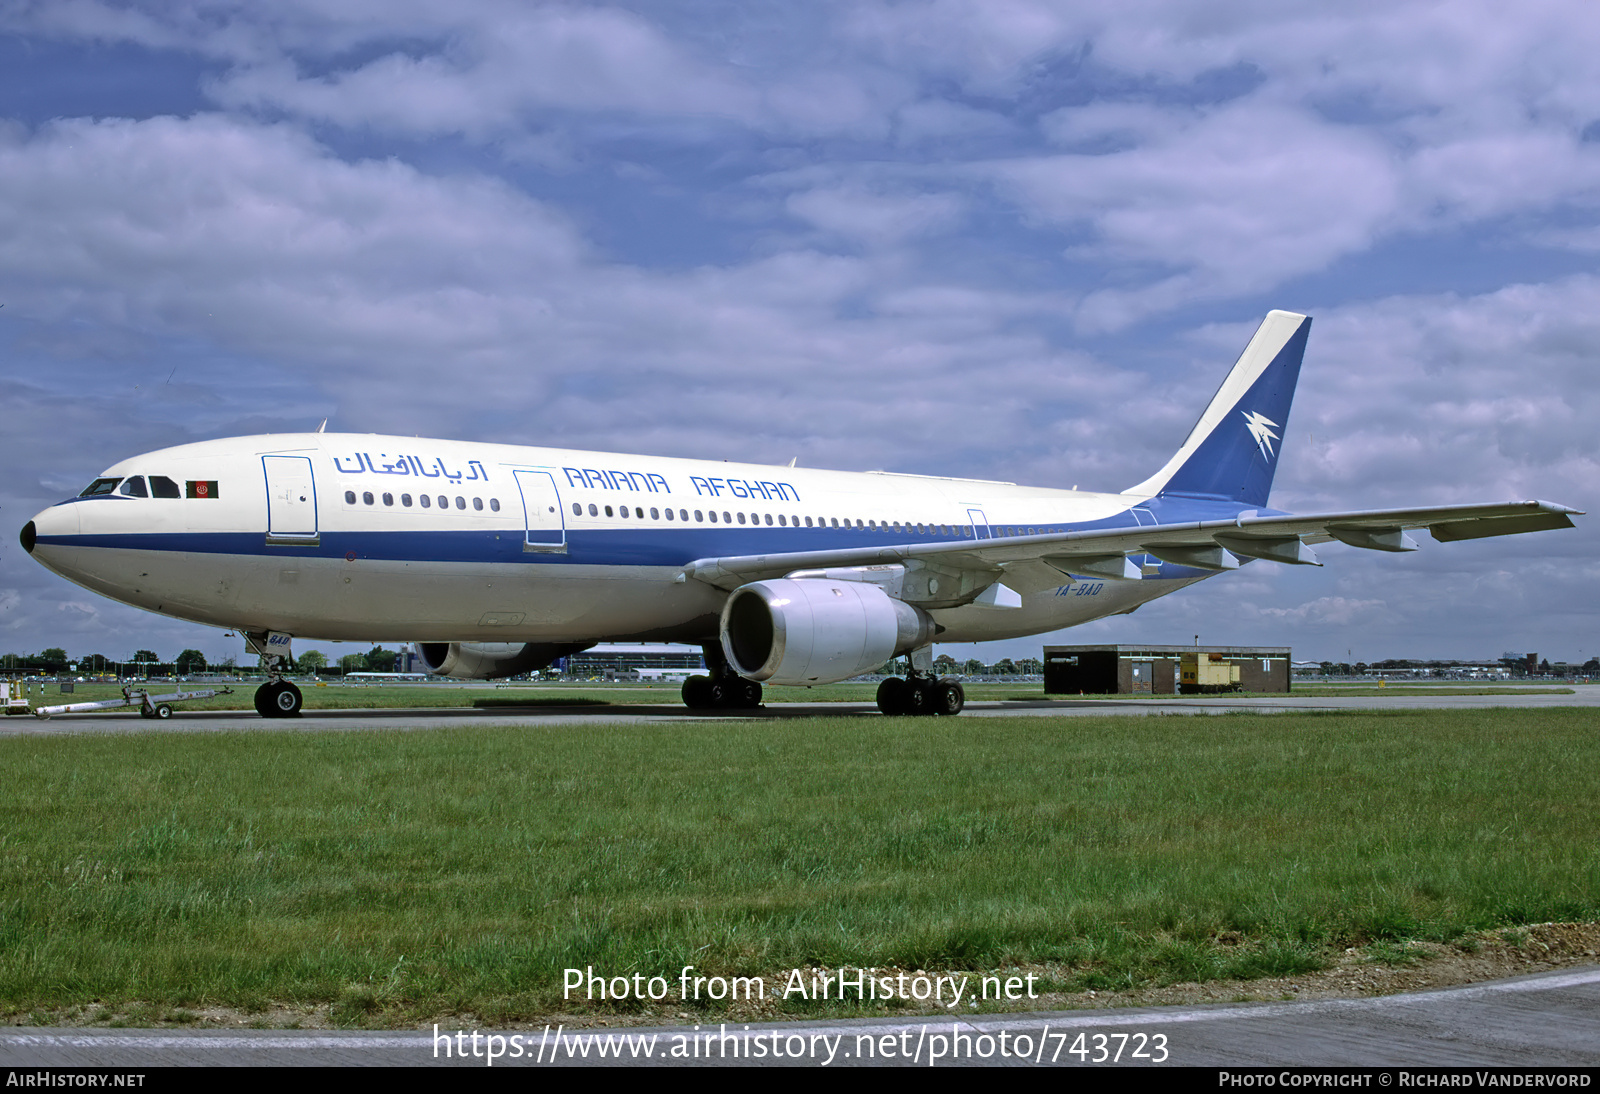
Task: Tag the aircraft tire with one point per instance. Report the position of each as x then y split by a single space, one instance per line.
145 712
749 695
278 699
892 695
697 693
288 701
735 693
919 698
949 698
162 711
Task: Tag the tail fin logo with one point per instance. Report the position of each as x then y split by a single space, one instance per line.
1261 428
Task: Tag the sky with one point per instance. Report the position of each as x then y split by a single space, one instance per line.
1001 239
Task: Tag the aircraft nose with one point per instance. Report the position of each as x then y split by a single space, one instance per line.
58 520
38 537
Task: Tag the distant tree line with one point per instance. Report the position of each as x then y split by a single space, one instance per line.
1514 666
54 661
945 665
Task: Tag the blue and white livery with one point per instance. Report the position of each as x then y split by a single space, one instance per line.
497 559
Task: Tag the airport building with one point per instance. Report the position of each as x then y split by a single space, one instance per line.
633 661
1164 670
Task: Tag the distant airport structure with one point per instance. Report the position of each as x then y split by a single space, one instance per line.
1165 670
634 661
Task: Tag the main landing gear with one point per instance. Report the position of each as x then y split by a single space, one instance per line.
723 689
921 694
729 693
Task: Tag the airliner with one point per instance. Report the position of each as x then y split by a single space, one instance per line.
498 559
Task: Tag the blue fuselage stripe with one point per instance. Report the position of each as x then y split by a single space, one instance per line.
654 545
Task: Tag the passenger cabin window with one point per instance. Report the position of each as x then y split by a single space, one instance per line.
477 504
424 499
405 500
349 497
388 499
133 487
163 487
494 504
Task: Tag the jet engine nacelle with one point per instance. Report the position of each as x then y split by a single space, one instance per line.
487 660
817 630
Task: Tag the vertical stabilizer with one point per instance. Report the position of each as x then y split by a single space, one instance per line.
1232 451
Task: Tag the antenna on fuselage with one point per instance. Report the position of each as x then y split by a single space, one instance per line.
323 426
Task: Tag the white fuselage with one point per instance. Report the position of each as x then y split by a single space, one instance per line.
375 538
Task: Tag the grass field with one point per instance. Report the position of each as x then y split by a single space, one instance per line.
406 875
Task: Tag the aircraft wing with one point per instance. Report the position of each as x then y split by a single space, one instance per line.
1040 561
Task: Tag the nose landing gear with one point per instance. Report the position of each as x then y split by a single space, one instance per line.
277 698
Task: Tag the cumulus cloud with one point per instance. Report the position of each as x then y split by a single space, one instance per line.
492 76
875 219
370 279
1453 398
1219 153
1238 201
1330 610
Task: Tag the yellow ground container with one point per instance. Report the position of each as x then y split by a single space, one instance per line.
1209 672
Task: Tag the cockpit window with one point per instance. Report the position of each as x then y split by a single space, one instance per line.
163 487
98 487
134 487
